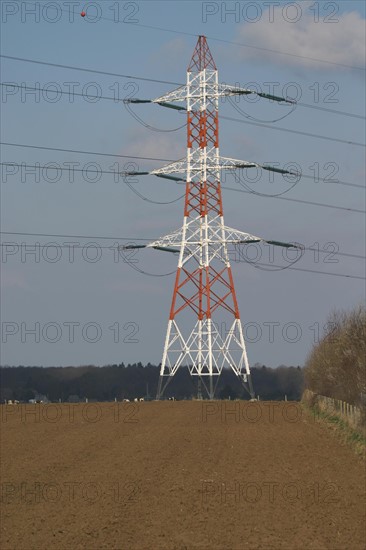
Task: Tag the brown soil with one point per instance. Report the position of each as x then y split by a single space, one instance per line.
177 475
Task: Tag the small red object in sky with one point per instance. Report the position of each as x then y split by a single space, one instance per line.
83 14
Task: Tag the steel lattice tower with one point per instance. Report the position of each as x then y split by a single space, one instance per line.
204 328
204 282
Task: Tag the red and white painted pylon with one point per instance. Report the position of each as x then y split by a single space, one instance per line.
204 329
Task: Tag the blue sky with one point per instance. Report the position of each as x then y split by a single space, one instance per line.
76 302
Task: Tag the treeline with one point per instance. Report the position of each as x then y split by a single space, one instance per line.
130 381
336 365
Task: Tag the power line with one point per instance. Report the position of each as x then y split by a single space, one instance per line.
96 71
59 149
87 170
250 46
50 91
328 110
141 196
77 246
39 167
358 256
328 138
307 134
281 268
74 236
82 152
268 50
312 271
325 180
307 270
312 203
56 245
255 264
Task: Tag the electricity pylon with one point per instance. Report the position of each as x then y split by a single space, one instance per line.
204 328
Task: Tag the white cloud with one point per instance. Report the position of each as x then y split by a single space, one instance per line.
143 142
174 53
340 42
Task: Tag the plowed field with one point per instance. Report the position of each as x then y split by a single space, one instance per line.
177 475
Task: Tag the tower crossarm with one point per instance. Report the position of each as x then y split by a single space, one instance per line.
193 237
178 167
212 91
226 163
180 94
220 235
220 163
